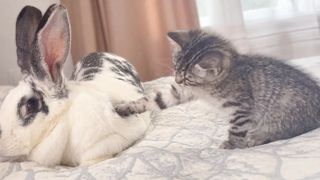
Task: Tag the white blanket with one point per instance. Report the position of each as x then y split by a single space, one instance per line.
182 143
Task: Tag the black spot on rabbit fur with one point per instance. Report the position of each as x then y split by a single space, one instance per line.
37 95
40 94
125 69
92 64
20 104
88 67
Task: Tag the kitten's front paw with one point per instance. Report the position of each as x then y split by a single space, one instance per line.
125 109
226 145
233 143
256 139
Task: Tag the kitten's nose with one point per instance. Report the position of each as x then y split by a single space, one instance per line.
179 79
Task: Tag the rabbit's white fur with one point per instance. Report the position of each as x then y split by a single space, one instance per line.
77 124
79 130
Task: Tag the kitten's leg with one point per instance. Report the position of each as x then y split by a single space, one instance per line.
162 98
241 125
236 139
246 135
259 136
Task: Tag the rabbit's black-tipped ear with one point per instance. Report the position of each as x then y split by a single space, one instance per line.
53 42
26 26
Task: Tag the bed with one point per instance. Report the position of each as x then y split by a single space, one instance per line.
182 143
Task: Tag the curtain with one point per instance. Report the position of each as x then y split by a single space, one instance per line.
134 29
287 29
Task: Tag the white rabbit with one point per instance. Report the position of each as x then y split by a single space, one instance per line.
50 120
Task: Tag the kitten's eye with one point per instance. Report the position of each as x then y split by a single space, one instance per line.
32 106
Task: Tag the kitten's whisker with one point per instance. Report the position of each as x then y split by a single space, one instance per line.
165 66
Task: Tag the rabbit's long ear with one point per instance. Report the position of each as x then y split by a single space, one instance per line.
26 26
52 45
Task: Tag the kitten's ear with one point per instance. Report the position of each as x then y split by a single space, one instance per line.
179 38
215 61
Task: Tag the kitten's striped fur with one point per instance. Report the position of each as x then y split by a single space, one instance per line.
270 99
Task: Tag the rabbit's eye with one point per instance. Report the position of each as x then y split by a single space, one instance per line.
32 106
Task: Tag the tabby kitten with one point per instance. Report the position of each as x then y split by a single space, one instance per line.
270 99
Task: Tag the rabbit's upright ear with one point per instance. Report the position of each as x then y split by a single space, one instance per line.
52 45
26 27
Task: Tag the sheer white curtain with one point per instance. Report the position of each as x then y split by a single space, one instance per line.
287 29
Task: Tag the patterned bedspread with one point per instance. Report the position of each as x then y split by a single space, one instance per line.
182 143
